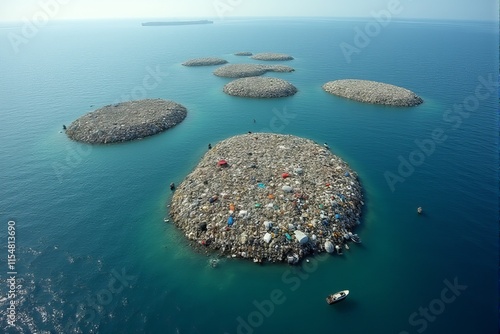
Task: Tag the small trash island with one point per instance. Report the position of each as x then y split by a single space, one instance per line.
270 56
243 53
206 61
373 92
249 70
126 121
268 198
260 87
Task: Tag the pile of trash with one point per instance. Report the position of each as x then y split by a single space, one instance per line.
260 87
207 61
243 53
126 121
249 70
268 197
373 92
271 56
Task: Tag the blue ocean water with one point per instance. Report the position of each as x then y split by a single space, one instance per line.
94 255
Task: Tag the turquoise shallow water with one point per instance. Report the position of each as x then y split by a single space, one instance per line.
87 215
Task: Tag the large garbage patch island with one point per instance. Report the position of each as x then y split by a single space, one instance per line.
268 198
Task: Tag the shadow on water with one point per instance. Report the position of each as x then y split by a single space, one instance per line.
361 246
345 306
423 214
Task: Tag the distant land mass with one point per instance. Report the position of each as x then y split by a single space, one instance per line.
175 23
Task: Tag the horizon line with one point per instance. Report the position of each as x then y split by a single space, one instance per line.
252 17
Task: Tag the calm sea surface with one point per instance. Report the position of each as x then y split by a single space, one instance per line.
94 255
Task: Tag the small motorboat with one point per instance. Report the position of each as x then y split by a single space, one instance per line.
326 146
419 210
336 297
339 249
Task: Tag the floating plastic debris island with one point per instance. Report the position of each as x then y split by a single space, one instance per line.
270 218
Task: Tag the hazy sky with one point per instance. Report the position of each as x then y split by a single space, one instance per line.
83 9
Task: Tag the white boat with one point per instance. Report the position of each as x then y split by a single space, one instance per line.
339 249
336 297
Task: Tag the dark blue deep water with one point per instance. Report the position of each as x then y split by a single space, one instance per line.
94 255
